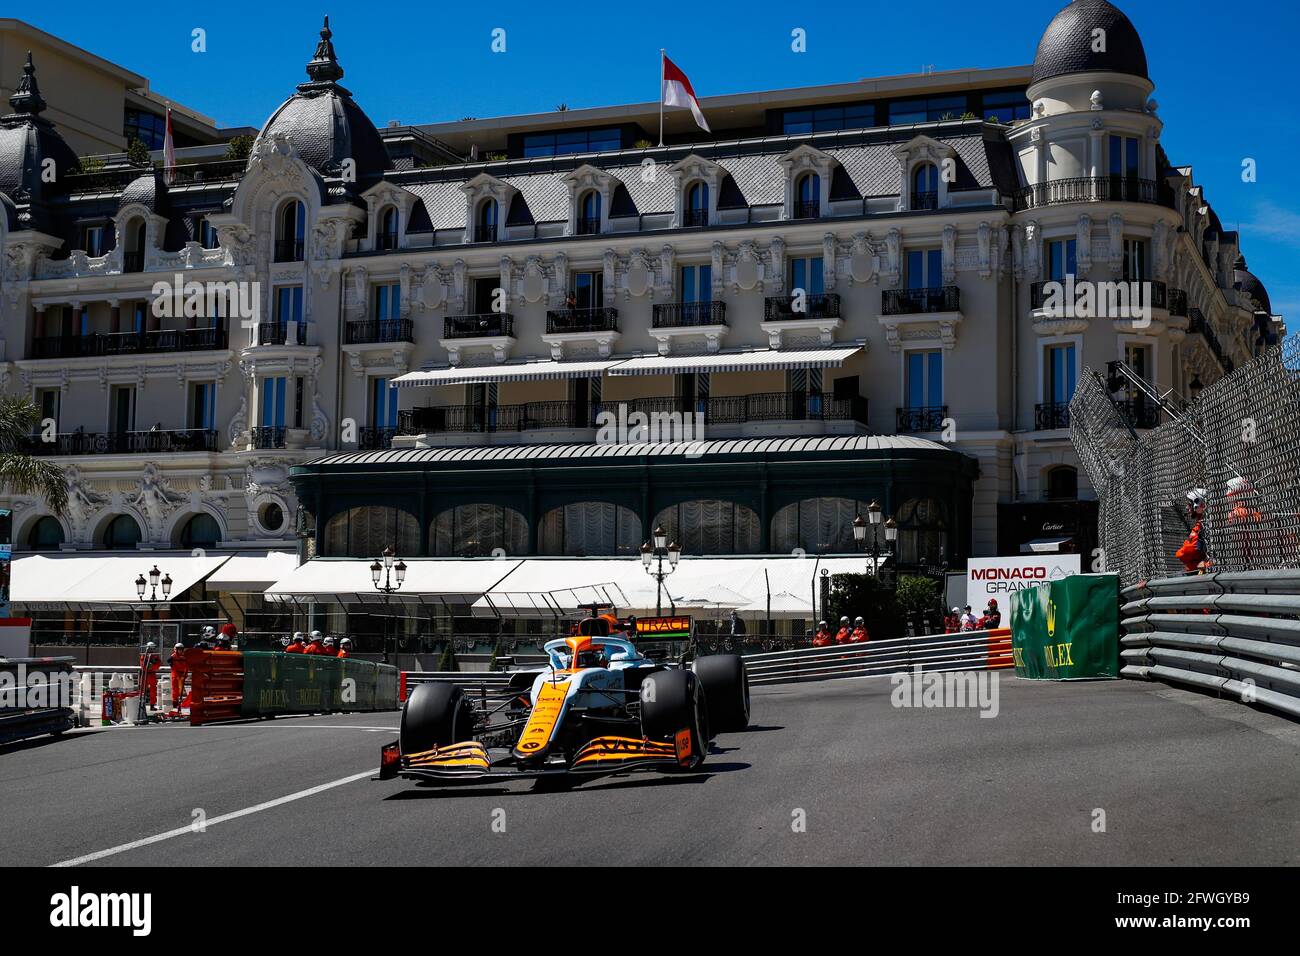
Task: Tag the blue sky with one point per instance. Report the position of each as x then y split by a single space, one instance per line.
1221 70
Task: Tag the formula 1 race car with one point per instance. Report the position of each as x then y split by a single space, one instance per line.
599 707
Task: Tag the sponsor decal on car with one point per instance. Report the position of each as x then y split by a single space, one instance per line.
544 718
682 744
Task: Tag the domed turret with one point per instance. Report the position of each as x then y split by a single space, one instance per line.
326 125
1072 43
28 144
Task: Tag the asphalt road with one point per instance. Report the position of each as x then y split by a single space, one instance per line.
1181 778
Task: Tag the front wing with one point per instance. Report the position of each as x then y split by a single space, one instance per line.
601 755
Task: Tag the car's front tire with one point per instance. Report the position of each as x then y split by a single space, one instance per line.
672 702
436 714
726 688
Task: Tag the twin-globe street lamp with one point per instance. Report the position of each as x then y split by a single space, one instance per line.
156 578
391 569
662 549
860 534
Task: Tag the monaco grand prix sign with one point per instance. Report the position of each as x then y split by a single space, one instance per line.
999 578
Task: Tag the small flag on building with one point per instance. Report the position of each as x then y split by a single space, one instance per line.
169 152
676 91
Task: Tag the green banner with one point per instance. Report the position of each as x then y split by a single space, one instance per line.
1067 629
276 683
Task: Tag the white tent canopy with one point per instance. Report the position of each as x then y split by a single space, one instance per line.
56 581
254 571
428 581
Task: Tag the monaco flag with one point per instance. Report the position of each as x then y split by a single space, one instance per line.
677 92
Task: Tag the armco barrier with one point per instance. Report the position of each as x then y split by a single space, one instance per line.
1233 633
969 650
230 684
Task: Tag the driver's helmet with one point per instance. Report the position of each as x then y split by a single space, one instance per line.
583 652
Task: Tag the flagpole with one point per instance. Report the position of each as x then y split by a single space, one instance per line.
661 96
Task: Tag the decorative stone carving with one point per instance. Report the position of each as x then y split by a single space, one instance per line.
83 501
948 254
155 499
1083 244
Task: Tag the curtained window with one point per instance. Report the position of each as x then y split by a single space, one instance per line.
711 526
479 530
366 531
587 528
817 525
922 531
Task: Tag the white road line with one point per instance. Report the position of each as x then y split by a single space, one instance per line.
286 726
182 831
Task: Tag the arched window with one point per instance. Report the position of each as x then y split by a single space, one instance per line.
817 525
711 526
1062 483
133 256
697 204
479 531
387 235
46 535
485 229
925 187
589 528
922 531
290 232
366 531
122 532
808 197
201 531
589 213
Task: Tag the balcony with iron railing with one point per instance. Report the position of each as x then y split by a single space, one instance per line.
481 325
153 442
695 217
1108 299
1198 325
288 250
380 331
807 209
1081 189
1178 302
927 199
485 232
920 301
133 262
561 321
129 343
781 308
1141 412
375 437
920 418
268 436
1049 415
588 225
681 315
386 241
277 333
713 410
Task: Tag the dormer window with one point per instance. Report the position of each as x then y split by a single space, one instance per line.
133 257
207 234
925 186
291 231
485 225
697 205
386 236
92 240
808 197
589 213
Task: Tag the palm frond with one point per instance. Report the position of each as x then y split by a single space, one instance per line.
26 475
18 417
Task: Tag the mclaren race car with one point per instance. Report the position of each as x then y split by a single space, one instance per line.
600 706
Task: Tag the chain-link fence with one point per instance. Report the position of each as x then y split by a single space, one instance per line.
1237 444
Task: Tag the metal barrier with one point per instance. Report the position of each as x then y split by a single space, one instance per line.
969 650
1233 632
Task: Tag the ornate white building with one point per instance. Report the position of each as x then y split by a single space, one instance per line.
861 259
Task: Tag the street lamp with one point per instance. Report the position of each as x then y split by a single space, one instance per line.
392 571
655 556
873 521
156 578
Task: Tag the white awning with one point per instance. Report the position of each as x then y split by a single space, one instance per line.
254 571
428 581
503 372
1043 545
750 360
55 581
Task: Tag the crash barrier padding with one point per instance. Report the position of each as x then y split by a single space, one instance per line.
231 684
1067 629
34 702
1232 633
216 685
276 683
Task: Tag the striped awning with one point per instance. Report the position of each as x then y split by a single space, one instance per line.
748 360
503 372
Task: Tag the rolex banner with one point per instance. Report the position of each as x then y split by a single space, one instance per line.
1067 629
307 683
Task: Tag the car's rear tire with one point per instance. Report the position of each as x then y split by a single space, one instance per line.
673 701
726 688
436 714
